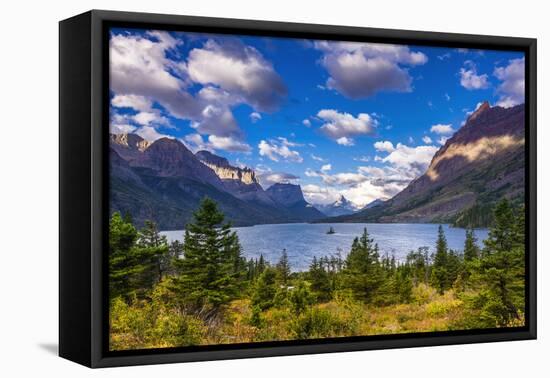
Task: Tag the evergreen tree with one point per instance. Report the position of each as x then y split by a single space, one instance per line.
265 290
207 278
440 274
471 250
156 246
363 273
501 271
504 229
283 269
320 280
132 266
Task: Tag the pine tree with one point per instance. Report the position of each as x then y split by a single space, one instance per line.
440 274
501 234
283 269
501 271
156 246
207 278
320 280
132 266
471 250
265 290
363 273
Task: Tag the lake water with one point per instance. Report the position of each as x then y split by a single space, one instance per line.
303 241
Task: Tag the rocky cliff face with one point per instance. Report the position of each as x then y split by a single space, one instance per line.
224 170
241 182
481 163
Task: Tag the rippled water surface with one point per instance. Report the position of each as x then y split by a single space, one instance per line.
303 240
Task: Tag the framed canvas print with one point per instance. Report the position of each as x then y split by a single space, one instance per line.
233 188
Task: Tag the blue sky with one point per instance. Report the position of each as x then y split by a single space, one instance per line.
339 118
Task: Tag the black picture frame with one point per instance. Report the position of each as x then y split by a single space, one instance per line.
83 180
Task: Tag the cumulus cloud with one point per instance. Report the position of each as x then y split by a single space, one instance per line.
150 133
359 70
321 195
470 79
306 122
326 167
144 73
413 159
426 139
441 129
195 142
140 103
245 72
345 141
384 146
228 144
124 128
277 150
267 177
139 67
341 127
512 89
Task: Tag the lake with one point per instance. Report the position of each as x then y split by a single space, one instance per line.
303 241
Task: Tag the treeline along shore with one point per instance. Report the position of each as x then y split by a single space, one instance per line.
202 291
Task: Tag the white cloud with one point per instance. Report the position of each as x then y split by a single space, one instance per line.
342 126
267 177
276 150
121 128
150 133
413 159
317 158
139 103
470 79
512 89
345 141
384 146
359 70
426 139
255 117
363 159
321 195
326 167
447 97
442 140
228 144
306 122
143 72
245 72
195 143
139 67
441 129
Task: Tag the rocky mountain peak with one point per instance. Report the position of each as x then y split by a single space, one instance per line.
480 110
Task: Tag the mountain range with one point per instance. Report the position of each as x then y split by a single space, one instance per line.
481 163
165 182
